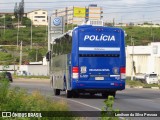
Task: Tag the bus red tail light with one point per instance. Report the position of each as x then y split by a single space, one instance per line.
75 72
123 72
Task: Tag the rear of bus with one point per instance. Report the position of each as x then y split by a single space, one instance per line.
98 59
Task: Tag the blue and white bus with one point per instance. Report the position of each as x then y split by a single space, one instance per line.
95 64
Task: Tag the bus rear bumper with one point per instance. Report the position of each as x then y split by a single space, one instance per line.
99 85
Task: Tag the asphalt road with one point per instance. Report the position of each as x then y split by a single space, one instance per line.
130 99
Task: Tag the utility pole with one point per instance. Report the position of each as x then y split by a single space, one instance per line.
14 61
46 33
151 29
132 67
20 61
4 25
113 22
18 31
31 34
143 19
36 53
121 21
49 37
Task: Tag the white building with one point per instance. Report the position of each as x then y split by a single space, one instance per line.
91 12
146 59
38 17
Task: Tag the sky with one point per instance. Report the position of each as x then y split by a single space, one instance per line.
124 11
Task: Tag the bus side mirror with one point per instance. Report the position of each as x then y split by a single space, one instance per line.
48 56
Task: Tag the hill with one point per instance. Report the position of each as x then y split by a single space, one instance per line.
140 35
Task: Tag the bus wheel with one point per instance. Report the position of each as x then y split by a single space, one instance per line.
104 95
68 93
92 94
113 93
56 91
75 94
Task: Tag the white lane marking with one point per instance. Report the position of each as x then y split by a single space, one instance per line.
86 105
79 103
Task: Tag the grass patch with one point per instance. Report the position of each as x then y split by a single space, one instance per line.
41 77
17 100
138 83
134 83
151 85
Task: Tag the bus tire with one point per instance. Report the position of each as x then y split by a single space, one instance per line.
75 94
113 93
92 94
68 93
104 95
56 91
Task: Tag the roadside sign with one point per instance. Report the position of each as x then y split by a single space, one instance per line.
57 24
79 12
55 29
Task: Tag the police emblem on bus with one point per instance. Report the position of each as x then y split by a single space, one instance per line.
115 70
83 69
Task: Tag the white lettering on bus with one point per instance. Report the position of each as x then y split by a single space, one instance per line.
99 38
99 70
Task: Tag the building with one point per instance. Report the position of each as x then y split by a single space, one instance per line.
79 15
145 59
93 12
38 17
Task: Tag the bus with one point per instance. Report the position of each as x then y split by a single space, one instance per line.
91 61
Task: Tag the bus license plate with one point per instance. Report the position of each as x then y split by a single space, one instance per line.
99 78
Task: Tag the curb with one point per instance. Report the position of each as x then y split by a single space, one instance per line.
155 87
140 87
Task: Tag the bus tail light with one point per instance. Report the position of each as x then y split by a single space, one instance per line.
75 72
123 72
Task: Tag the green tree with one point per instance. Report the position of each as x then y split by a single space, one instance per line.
26 21
21 9
8 21
33 54
16 11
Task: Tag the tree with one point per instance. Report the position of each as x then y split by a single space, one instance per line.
16 11
19 10
32 55
26 21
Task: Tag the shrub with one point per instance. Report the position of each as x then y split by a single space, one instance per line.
17 100
108 113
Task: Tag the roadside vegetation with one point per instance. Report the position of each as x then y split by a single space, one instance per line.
17 99
108 113
40 77
142 35
135 83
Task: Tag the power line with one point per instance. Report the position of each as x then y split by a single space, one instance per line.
101 6
41 2
132 12
114 7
